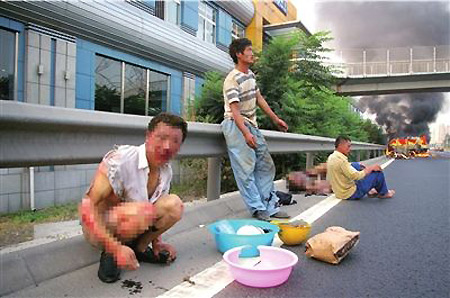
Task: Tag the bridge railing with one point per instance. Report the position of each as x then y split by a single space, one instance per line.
390 62
37 135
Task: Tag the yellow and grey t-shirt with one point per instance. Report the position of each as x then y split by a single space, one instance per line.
241 87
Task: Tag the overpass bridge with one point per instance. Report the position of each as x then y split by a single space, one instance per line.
389 71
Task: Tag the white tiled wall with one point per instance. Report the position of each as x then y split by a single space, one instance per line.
53 186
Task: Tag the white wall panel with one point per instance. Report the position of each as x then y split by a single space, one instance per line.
243 10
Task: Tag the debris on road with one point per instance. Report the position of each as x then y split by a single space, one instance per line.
332 245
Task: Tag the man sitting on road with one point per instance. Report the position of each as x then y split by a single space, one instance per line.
128 204
354 181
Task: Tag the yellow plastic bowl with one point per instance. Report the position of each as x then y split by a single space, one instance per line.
290 234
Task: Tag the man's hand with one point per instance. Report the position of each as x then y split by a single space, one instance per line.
250 140
281 125
126 258
159 246
374 168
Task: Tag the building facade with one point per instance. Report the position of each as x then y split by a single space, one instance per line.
131 57
268 13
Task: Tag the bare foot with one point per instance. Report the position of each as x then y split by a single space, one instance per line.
372 193
389 194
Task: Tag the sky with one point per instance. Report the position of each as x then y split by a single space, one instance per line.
382 24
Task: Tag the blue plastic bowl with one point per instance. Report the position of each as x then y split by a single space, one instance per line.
226 241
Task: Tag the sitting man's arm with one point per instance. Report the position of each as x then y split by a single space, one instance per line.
97 196
351 173
373 168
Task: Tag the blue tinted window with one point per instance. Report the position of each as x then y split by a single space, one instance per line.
7 61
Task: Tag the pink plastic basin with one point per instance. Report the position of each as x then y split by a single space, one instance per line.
274 267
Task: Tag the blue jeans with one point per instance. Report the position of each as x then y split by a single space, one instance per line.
253 169
373 180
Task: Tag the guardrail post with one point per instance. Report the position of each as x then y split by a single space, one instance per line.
368 154
434 59
214 175
309 160
364 63
387 63
358 156
410 60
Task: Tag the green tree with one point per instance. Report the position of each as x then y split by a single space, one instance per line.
209 105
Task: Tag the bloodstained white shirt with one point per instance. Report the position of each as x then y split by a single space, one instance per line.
128 174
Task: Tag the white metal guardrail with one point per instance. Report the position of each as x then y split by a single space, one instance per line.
36 135
390 62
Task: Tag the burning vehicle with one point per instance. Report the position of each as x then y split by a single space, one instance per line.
409 147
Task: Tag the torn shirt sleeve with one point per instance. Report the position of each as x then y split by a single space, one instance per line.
112 161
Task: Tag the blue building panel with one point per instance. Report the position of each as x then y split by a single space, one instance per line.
83 62
189 14
83 88
52 70
16 26
83 104
4 22
21 64
175 93
149 3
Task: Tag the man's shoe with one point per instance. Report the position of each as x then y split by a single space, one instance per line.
108 271
261 215
281 214
148 256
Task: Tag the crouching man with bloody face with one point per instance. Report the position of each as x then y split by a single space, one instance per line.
128 205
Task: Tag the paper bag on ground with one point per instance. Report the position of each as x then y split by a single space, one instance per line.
332 245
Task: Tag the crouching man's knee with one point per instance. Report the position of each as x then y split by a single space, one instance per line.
170 206
128 220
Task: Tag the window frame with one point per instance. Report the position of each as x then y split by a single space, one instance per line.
123 65
189 90
160 9
234 24
166 11
204 17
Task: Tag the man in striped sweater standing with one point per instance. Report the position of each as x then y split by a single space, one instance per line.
251 162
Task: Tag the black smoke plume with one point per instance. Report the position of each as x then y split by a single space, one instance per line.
403 116
381 24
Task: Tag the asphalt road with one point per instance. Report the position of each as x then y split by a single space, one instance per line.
403 251
404 245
